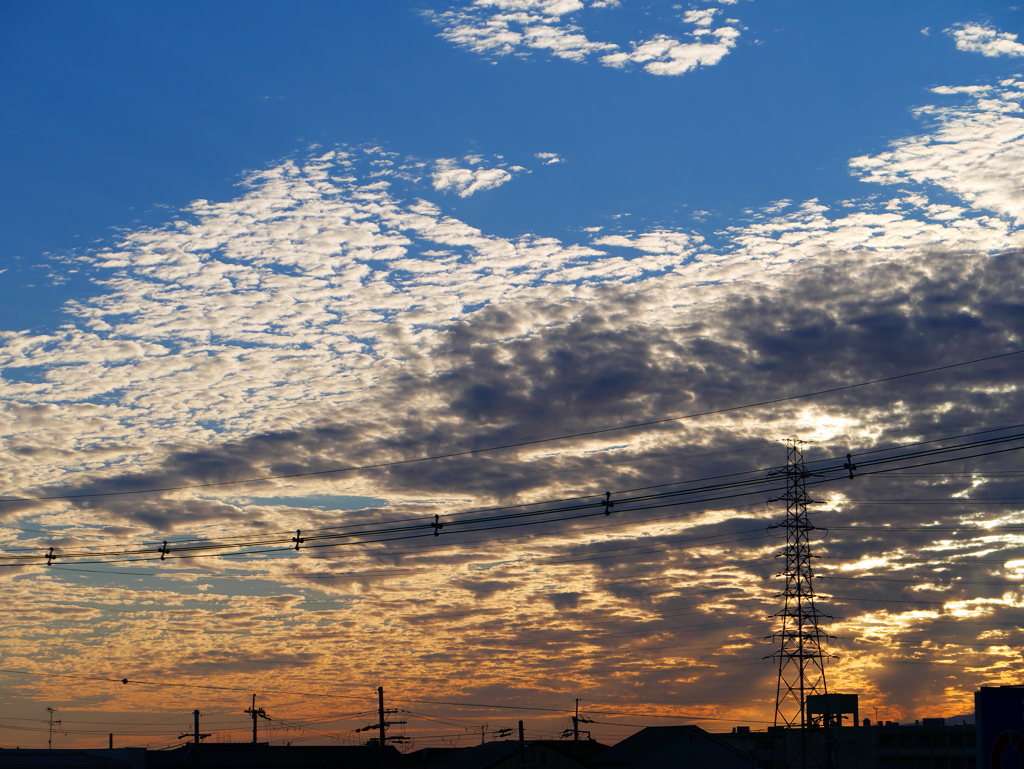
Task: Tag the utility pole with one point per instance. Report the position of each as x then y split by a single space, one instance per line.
522 746
196 736
251 711
577 719
49 738
380 715
801 655
382 723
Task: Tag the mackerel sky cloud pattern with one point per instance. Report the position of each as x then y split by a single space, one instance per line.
493 255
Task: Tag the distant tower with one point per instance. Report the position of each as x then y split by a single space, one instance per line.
801 655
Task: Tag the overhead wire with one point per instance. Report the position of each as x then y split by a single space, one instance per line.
560 513
482 523
453 519
955 643
521 444
943 451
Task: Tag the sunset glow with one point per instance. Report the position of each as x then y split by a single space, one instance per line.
452 347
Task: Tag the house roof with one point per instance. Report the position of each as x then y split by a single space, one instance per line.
66 759
651 740
433 756
491 753
643 743
482 756
247 755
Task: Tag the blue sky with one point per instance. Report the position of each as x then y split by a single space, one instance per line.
120 115
266 239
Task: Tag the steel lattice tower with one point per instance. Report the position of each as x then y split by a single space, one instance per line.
801 654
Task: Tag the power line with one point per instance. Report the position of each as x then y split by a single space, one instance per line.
560 513
372 533
520 506
319 695
520 444
125 681
276 537
921 581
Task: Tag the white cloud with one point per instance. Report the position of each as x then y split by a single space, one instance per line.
548 157
323 278
948 90
986 40
656 242
449 176
663 55
503 27
331 308
700 18
975 151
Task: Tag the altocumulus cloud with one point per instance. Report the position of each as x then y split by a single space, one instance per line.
504 27
986 40
327 285
449 176
333 315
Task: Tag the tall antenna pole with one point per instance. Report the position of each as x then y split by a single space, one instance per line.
801 655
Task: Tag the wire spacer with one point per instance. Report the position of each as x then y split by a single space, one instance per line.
608 504
437 525
298 539
49 557
163 550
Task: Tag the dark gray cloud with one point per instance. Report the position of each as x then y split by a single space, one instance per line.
683 604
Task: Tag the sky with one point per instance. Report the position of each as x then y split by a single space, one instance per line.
416 283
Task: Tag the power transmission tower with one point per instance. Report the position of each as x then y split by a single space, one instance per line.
801 655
